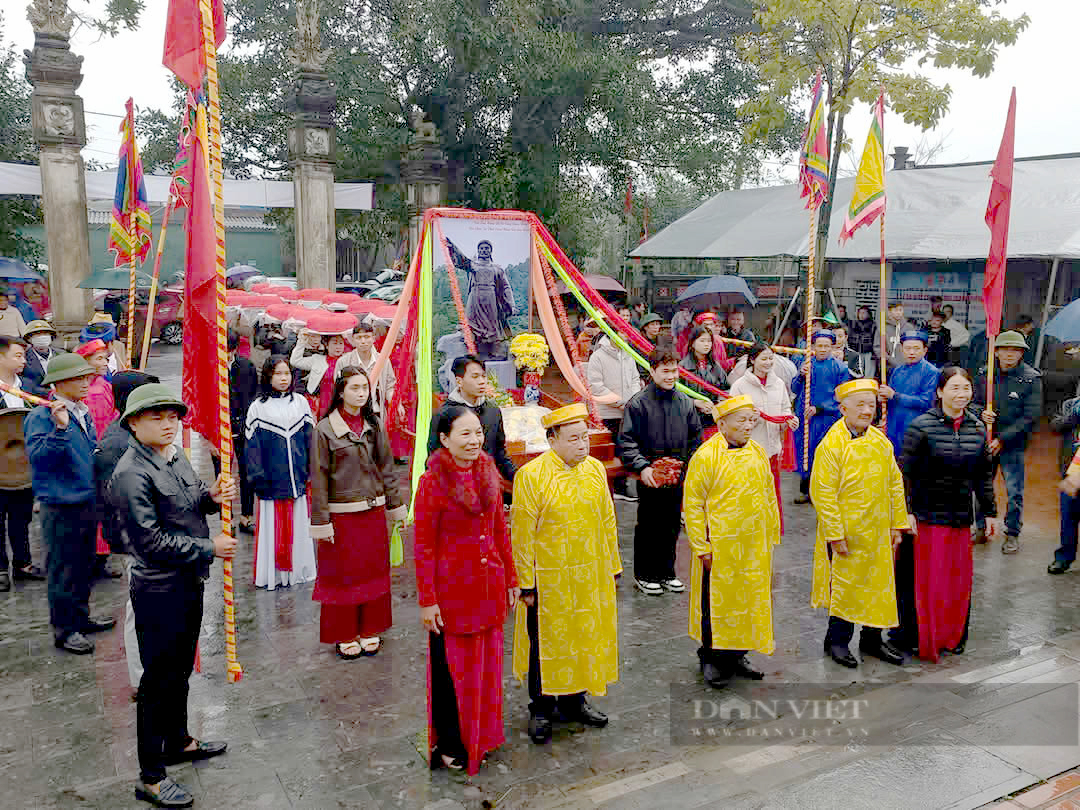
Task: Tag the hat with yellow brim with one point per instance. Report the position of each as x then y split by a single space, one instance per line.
855 386
564 415
732 404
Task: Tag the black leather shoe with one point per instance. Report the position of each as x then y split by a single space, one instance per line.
169 794
842 655
714 676
1057 567
959 648
76 643
29 573
589 716
883 651
202 750
5 582
743 669
539 728
801 498
99 624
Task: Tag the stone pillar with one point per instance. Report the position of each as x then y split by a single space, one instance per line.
59 128
312 153
423 174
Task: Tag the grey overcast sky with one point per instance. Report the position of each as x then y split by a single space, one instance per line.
1041 66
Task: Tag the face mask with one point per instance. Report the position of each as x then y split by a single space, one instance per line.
41 341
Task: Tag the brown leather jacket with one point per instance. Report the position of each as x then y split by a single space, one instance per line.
350 473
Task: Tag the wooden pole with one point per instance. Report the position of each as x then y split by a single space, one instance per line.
1046 311
233 670
882 337
810 270
154 286
25 396
782 349
787 314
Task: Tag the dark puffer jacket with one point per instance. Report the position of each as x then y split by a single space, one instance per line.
656 424
943 466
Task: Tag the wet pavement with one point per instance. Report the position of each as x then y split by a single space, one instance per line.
307 730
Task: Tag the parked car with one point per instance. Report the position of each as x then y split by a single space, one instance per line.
168 326
389 293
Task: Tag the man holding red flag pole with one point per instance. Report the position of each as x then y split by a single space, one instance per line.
998 208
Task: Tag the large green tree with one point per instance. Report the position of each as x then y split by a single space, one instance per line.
525 94
860 46
16 146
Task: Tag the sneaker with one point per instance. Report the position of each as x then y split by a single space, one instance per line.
622 496
650 588
1058 567
1011 544
673 585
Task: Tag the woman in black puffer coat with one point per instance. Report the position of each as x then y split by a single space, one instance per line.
945 461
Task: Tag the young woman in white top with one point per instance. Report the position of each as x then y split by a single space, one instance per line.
770 396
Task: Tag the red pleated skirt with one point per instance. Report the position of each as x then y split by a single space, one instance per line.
943 572
476 666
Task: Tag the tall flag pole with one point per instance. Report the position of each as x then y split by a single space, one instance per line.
130 234
998 208
194 29
867 203
179 194
814 182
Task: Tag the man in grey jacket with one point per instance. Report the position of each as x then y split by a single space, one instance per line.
613 371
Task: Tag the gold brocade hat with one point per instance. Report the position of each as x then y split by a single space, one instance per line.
564 415
855 386
732 404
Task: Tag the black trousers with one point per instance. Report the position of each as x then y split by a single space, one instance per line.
614 426
16 512
545 705
167 622
906 635
444 706
841 631
70 533
657 532
247 494
722 659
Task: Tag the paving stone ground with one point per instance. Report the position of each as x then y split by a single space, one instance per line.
307 730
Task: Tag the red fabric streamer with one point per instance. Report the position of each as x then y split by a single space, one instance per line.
455 291
998 208
184 53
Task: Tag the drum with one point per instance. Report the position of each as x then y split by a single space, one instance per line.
14 465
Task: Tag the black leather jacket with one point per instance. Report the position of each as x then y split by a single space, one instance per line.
162 506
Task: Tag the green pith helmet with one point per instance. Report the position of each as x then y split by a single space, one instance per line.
152 395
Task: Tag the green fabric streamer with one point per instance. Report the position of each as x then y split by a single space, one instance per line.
598 316
423 366
397 548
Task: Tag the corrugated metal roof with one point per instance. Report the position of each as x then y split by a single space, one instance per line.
232 223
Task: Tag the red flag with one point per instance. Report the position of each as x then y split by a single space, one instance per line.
997 217
200 292
184 54
628 203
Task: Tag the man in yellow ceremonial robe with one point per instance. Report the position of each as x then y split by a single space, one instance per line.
733 522
858 493
567 555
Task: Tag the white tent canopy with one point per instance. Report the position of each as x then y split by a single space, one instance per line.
18 178
933 213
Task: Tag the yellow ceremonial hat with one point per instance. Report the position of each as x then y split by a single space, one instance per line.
732 404
561 416
855 386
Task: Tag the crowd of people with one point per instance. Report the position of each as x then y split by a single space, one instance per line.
897 473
